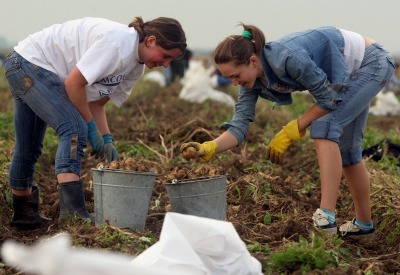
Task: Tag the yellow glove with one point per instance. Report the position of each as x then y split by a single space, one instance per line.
205 151
278 146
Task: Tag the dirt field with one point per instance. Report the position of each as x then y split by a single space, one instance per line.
269 205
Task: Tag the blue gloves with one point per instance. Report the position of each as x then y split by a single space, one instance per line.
95 140
101 144
109 148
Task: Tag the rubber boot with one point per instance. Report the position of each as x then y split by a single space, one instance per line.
72 201
26 211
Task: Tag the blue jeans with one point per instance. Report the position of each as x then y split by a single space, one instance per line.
346 124
40 99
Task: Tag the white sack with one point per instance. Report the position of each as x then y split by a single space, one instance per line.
197 86
188 245
386 104
157 77
56 256
198 245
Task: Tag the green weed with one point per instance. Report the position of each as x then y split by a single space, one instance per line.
3 82
267 219
6 127
145 242
305 256
308 187
114 239
257 247
137 151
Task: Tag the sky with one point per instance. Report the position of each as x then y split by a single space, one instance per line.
207 22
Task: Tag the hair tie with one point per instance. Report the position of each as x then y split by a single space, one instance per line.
247 34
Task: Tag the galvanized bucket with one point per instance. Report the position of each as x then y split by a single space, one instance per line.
203 197
122 197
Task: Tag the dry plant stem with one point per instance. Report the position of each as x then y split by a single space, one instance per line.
141 111
171 154
151 149
130 234
164 159
179 129
198 130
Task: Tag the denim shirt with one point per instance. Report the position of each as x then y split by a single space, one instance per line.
310 60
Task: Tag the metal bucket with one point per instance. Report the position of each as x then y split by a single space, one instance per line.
203 197
122 197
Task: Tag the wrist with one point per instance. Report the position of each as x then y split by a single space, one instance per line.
107 138
91 125
292 130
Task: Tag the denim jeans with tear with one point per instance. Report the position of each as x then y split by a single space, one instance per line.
40 99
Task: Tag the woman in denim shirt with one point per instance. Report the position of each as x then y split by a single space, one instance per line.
343 71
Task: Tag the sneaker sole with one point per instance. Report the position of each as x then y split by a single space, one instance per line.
330 231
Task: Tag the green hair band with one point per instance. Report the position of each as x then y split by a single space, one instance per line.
247 34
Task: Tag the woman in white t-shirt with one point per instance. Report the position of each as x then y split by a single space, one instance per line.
63 76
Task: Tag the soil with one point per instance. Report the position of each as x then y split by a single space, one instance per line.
286 194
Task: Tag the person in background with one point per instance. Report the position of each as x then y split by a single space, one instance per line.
177 67
222 81
63 76
343 71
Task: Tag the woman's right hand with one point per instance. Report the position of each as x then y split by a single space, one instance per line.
205 151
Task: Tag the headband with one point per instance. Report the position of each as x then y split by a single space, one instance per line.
247 34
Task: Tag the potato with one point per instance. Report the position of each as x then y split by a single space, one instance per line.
189 153
114 165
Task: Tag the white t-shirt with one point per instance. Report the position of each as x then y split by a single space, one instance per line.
354 49
105 52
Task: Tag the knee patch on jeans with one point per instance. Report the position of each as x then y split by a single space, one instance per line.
325 130
350 157
74 147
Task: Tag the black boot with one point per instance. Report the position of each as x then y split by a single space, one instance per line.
72 201
26 211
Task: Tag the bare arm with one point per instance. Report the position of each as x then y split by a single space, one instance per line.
75 87
310 115
226 141
99 114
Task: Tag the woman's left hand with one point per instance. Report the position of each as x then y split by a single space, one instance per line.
109 148
278 146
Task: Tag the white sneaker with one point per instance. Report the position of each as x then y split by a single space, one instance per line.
351 230
320 219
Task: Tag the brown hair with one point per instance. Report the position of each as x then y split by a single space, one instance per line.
168 31
238 49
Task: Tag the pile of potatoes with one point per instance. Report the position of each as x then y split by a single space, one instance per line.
131 164
177 173
184 173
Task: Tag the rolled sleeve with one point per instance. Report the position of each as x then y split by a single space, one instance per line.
244 114
327 98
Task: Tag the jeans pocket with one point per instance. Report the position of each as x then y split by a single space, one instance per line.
19 82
